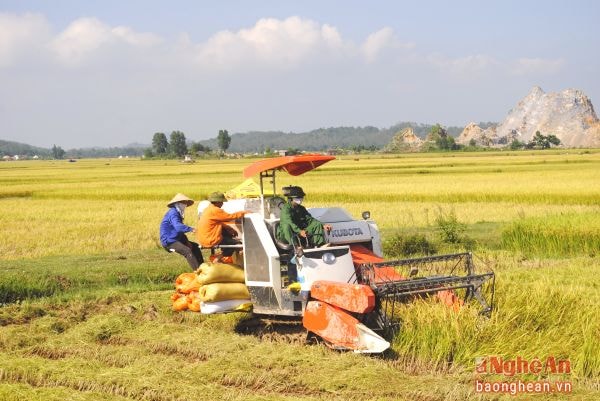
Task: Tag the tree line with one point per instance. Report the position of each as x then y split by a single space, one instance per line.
342 139
176 145
538 141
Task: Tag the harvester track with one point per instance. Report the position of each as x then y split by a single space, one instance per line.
278 329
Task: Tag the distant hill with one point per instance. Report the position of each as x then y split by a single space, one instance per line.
105 152
9 148
322 138
257 141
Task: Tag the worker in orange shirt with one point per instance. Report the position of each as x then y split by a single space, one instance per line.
212 226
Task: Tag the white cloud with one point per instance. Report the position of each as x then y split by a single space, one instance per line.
381 40
526 66
478 62
80 38
20 34
290 42
278 43
289 74
462 65
86 35
133 38
273 42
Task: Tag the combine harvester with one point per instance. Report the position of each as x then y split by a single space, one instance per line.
348 293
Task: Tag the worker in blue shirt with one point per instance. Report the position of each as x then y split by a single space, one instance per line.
172 232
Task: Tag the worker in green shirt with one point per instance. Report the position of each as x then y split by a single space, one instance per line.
296 221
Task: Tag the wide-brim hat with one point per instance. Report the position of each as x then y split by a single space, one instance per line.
181 198
217 197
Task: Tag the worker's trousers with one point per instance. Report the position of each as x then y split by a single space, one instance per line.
314 232
190 251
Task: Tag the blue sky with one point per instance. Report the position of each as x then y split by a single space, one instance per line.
109 73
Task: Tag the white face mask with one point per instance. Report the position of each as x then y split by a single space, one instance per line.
297 201
180 206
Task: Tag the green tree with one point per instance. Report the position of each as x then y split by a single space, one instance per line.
160 145
516 144
553 139
198 147
223 139
57 152
540 141
148 153
436 131
445 143
439 139
177 143
442 139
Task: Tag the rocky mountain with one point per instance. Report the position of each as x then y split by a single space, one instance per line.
404 140
568 114
482 137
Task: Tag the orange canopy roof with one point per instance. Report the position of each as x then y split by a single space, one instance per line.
293 165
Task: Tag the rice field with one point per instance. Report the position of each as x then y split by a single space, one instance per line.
84 284
96 206
558 235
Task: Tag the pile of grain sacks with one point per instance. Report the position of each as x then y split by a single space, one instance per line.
213 288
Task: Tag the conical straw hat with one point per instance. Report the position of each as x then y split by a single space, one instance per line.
181 198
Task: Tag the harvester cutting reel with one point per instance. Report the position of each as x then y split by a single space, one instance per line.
451 278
